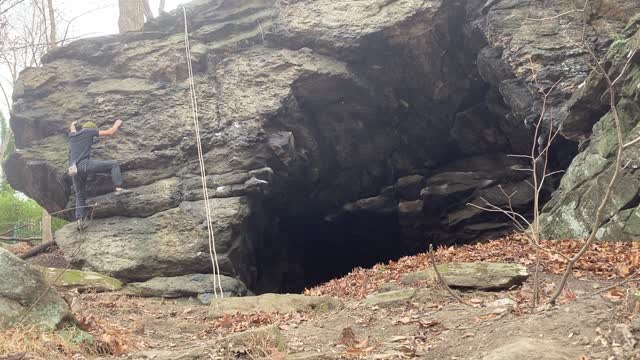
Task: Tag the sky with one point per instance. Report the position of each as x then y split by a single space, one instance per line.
90 18
103 19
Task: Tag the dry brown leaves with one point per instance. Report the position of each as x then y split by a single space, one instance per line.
19 247
110 339
354 346
241 322
33 343
604 259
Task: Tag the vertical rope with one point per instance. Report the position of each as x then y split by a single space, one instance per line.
203 172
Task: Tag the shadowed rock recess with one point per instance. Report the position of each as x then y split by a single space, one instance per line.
335 133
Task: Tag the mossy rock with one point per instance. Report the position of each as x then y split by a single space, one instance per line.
77 279
26 298
390 297
474 275
77 336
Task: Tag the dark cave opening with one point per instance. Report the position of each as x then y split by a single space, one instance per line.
308 247
320 249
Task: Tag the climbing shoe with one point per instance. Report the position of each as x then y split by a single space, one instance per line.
120 191
81 224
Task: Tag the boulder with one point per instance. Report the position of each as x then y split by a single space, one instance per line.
81 280
571 212
170 243
390 297
473 275
386 117
22 289
186 286
281 303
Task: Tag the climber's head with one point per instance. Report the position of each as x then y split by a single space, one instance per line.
89 125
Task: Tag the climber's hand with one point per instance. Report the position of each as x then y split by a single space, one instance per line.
118 123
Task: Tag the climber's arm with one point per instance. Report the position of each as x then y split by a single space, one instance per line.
112 130
72 127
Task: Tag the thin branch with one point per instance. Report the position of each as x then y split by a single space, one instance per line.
442 281
626 66
2 12
60 42
553 173
519 156
70 21
630 278
15 229
629 144
603 203
29 239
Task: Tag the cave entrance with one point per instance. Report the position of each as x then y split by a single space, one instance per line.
309 250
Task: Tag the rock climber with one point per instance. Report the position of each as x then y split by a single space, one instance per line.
81 138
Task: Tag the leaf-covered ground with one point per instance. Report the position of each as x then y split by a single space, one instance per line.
607 260
594 320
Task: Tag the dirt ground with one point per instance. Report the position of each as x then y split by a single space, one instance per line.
431 326
592 320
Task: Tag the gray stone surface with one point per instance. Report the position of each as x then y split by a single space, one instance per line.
390 298
21 285
170 243
186 286
571 212
473 275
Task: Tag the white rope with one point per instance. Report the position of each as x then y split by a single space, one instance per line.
203 172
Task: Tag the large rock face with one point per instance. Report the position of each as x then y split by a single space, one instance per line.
572 210
22 289
347 132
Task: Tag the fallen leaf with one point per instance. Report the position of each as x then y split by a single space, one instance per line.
348 337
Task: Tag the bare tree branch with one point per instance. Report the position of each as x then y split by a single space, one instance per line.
441 279
617 169
629 144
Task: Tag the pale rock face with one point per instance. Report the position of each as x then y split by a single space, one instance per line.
327 128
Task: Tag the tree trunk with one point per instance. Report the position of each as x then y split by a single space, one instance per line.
147 10
131 15
47 234
161 8
52 28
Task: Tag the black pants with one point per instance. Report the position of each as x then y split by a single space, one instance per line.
86 167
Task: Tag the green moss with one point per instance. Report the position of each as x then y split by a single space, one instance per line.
81 279
76 336
632 226
631 86
127 86
52 149
69 100
633 25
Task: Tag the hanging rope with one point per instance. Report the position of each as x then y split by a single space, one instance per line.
203 172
